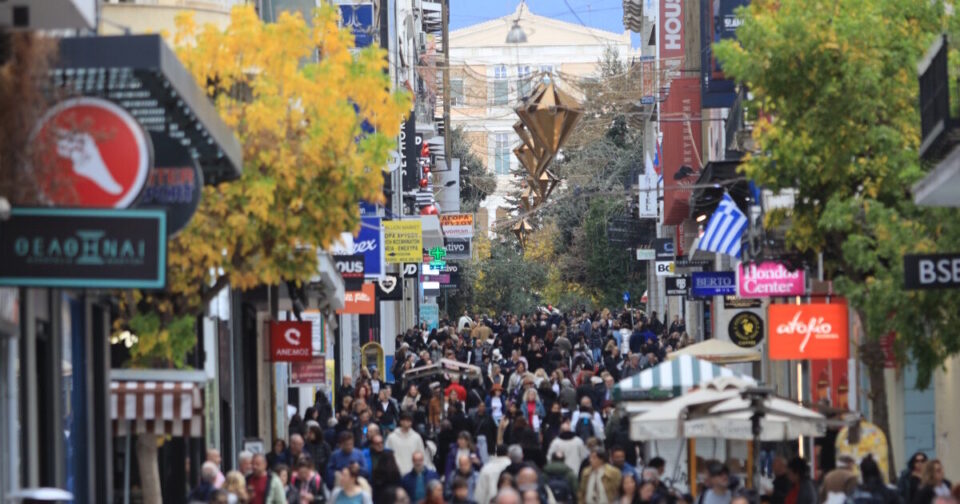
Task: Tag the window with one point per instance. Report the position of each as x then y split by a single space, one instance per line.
524 82
547 69
500 88
456 93
501 154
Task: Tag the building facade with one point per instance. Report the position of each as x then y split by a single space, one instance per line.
489 77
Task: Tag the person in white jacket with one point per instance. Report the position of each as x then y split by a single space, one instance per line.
489 476
573 449
405 442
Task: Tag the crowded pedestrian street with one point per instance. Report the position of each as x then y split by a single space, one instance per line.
479 252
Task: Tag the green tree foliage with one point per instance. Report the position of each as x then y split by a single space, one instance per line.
835 82
506 281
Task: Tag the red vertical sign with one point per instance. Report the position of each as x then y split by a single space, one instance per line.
291 341
671 29
680 124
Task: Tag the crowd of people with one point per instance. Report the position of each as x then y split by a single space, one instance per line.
537 423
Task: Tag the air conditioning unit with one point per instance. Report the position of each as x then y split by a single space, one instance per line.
22 15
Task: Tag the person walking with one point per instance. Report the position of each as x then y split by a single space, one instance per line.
487 483
417 480
873 490
404 442
909 481
600 481
263 485
803 490
932 483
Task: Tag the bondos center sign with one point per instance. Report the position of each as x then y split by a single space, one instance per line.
808 331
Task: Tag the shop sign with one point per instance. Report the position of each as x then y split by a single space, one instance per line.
369 242
351 268
746 329
457 248
409 153
175 183
430 314
457 225
808 331
309 373
98 153
84 248
403 241
665 249
389 288
931 271
441 278
360 302
665 268
769 279
410 270
692 263
291 341
681 139
733 302
358 18
713 283
678 286
646 255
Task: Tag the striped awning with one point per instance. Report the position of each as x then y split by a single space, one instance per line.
670 379
159 407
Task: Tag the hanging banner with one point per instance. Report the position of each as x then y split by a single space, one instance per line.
291 341
409 153
769 279
808 331
361 302
457 225
369 242
403 241
682 152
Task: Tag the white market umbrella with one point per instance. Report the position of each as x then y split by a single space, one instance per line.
666 419
780 420
718 351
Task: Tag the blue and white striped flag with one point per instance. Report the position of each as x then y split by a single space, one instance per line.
725 229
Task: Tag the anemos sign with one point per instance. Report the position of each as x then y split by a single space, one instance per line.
769 279
808 331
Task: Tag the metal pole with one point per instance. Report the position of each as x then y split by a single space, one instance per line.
445 15
126 466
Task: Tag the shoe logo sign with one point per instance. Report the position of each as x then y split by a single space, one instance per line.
90 152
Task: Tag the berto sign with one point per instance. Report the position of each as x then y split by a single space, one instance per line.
808 331
713 283
769 279
106 249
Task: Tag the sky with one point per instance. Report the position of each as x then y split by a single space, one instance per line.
602 14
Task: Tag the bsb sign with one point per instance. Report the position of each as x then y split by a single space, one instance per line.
931 271
291 341
808 331
85 248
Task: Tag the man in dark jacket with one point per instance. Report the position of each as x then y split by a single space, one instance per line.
415 482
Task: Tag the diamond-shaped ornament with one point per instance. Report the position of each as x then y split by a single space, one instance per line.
550 115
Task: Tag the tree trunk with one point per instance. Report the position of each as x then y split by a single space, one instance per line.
874 359
149 468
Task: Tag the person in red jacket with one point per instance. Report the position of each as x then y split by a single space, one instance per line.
455 387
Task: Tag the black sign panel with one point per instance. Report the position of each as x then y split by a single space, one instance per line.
174 184
410 153
411 270
351 268
389 288
457 248
691 263
677 285
665 249
733 302
931 271
86 248
746 329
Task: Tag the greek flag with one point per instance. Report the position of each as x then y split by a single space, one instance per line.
725 229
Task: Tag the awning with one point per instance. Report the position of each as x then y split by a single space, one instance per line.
143 75
941 187
713 182
718 352
670 379
432 233
143 401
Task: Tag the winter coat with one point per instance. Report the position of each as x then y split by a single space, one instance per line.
573 449
610 478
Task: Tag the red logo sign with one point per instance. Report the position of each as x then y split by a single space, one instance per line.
291 341
96 154
808 331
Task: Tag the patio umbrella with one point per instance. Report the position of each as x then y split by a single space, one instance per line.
718 351
670 379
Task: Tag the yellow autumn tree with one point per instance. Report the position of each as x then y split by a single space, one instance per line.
296 95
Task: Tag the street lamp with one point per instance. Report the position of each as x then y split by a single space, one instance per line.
516 34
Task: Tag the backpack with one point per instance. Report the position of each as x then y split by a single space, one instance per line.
584 428
560 488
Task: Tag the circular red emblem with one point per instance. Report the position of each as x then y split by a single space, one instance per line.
94 154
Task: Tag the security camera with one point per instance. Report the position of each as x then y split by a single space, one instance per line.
5 208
